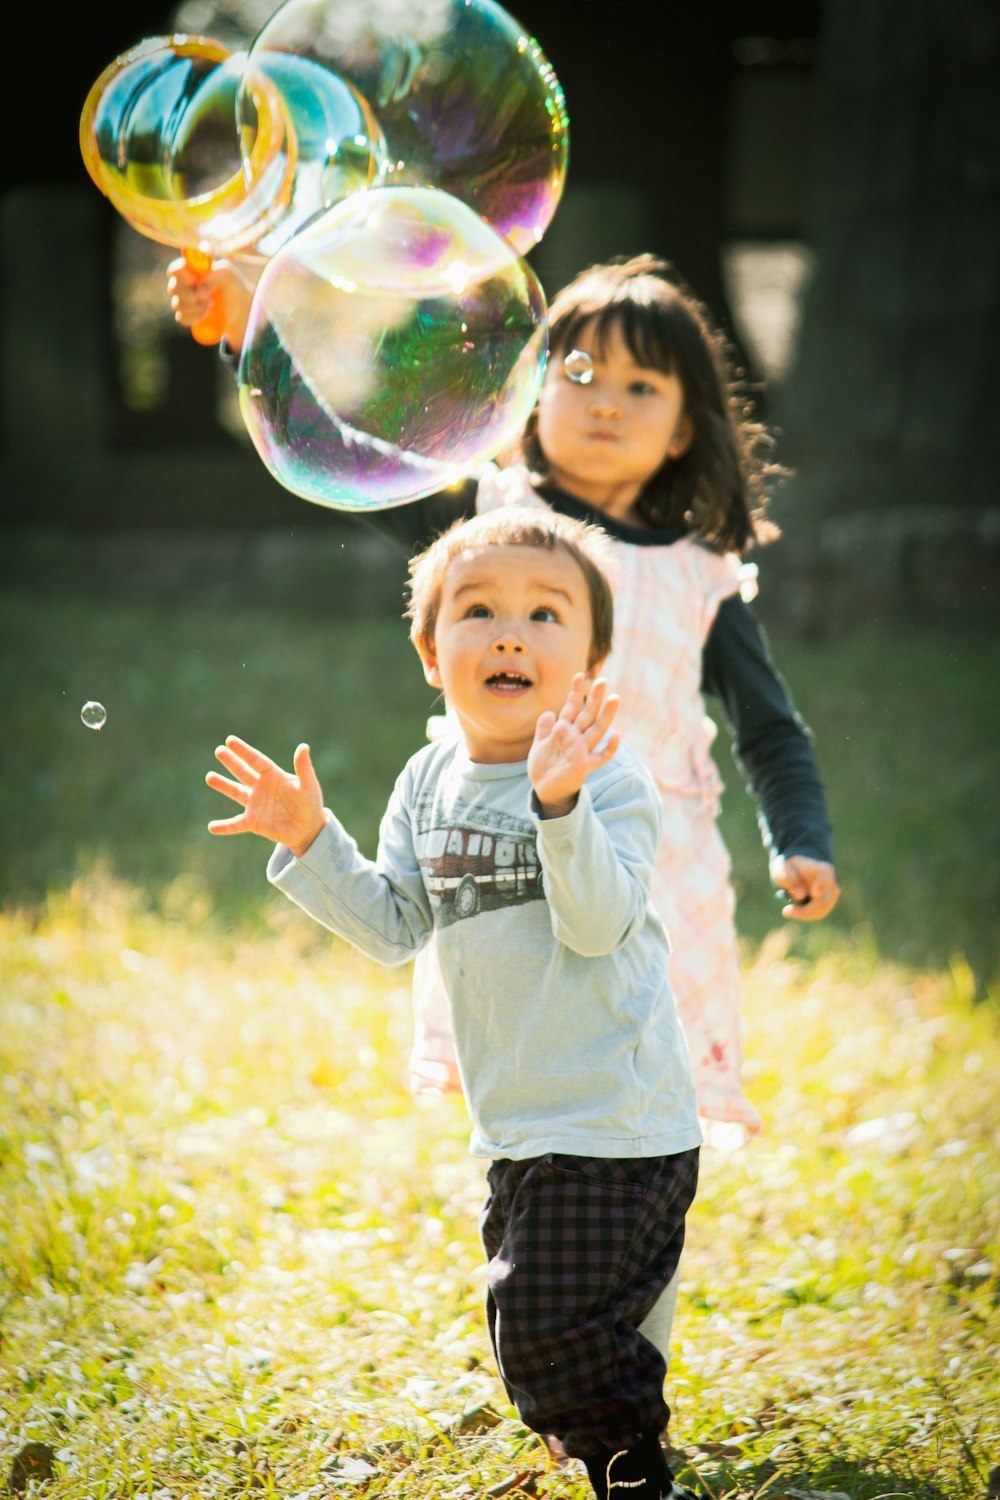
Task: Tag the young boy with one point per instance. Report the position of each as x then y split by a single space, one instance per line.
528 842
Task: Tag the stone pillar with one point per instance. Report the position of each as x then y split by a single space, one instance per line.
888 415
54 348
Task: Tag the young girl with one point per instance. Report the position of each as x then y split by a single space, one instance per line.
640 427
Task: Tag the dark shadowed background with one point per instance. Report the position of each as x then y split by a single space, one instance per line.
825 175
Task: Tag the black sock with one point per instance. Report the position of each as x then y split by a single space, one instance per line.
642 1466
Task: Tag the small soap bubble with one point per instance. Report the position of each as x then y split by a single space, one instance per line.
94 715
579 367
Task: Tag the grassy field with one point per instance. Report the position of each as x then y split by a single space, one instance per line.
907 730
238 1260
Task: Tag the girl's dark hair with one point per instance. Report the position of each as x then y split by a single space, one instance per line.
718 486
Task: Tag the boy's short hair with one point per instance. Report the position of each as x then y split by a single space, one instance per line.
515 526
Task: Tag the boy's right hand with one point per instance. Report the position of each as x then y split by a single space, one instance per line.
567 748
192 292
288 809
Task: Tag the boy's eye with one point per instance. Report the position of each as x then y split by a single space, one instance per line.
544 612
477 612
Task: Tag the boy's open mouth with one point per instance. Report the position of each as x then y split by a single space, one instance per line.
508 682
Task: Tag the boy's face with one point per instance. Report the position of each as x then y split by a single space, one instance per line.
513 628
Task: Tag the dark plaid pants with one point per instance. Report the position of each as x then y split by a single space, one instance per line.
579 1249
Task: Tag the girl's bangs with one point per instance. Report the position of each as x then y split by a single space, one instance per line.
647 328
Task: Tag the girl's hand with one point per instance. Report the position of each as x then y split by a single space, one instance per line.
284 808
811 885
566 749
191 293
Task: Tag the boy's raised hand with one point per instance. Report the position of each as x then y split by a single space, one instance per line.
568 746
285 808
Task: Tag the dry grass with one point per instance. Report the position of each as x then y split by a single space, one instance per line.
238 1260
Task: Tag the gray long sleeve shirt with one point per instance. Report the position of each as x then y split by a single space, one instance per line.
566 1032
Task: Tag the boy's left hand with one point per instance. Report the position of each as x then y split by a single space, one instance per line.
811 885
569 746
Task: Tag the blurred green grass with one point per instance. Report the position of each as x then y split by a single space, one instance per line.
906 727
175 680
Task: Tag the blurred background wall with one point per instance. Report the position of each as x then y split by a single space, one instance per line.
826 176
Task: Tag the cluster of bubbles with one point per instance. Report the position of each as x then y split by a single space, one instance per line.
388 167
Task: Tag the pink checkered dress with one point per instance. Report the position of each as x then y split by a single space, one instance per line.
666 599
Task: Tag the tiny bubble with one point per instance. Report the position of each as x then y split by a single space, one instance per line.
579 367
94 715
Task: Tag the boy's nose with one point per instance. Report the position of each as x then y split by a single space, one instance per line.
507 642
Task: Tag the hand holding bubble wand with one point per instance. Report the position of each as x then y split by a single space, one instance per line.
159 138
396 338
194 155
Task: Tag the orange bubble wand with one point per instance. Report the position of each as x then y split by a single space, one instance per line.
211 328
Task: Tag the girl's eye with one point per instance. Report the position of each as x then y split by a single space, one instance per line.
546 614
642 388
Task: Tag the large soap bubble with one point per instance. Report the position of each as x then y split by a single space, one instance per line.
463 97
335 144
394 345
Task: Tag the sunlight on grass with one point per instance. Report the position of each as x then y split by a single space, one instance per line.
236 1259
239 1260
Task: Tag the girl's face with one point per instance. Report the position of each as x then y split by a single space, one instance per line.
605 440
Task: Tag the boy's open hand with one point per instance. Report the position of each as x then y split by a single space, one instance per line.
285 808
568 747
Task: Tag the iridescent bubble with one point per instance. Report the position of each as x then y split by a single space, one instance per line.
158 135
464 98
334 145
394 345
94 715
579 367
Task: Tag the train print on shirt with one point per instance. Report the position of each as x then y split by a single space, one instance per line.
480 860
